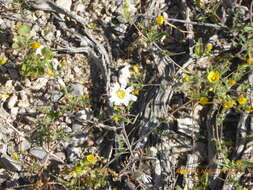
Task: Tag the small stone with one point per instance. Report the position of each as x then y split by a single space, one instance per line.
80 7
61 155
73 153
76 89
39 83
14 111
10 164
56 96
76 127
82 115
66 4
38 152
24 145
12 101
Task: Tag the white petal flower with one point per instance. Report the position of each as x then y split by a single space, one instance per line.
130 6
39 50
124 75
121 95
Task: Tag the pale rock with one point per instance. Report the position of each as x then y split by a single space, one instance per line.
80 7
66 4
39 83
14 111
12 101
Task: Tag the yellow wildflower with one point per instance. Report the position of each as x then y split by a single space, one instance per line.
78 169
213 76
5 96
209 47
136 91
250 60
3 60
238 163
186 78
245 188
115 118
203 100
249 109
229 104
36 45
135 69
159 20
50 72
91 159
242 100
15 156
232 82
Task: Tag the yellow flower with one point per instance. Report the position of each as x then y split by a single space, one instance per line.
36 45
245 188
242 100
238 163
232 82
91 159
136 91
249 109
229 104
15 156
213 76
209 47
115 118
250 60
203 100
135 69
159 20
50 72
5 96
186 78
78 169
3 60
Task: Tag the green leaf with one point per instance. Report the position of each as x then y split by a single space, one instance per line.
15 46
248 29
24 29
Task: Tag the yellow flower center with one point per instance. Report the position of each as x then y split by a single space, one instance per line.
136 91
135 69
121 94
203 100
186 78
3 60
229 104
159 20
36 45
115 118
250 60
213 76
232 82
242 100
78 169
91 159
209 47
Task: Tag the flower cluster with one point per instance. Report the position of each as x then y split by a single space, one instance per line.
120 93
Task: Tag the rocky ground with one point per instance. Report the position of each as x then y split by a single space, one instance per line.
114 94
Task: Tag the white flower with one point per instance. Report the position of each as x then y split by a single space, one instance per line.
39 50
130 6
121 95
124 75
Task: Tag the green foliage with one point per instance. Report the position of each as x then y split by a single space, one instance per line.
84 174
37 58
